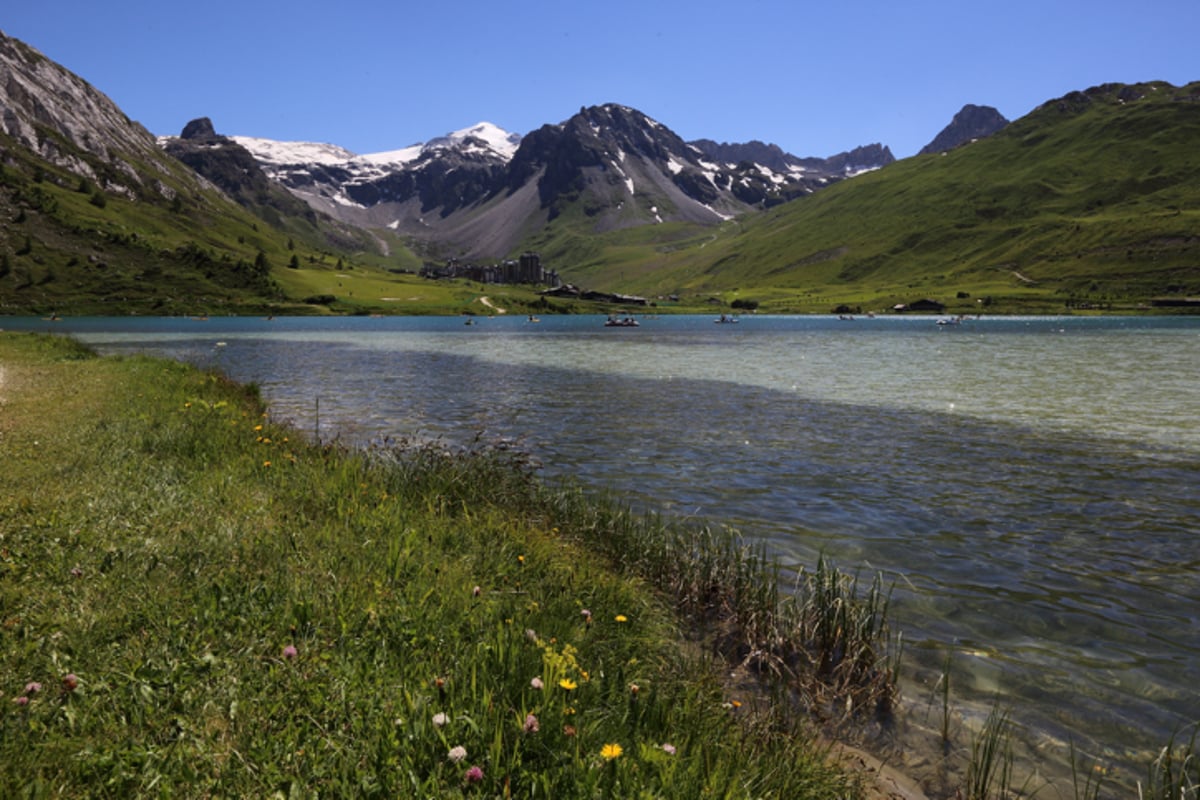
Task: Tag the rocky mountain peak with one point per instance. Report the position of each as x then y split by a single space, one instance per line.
201 128
483 140
970 123
769 155
614 129
772 156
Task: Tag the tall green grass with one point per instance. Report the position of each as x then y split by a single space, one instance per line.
194 602
827 639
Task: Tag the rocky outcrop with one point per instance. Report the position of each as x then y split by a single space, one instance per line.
970 123
860 159
233 169
201 128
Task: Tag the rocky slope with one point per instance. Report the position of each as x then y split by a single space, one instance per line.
95 217
233 169
60 118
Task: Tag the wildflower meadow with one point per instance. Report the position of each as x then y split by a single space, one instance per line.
195 601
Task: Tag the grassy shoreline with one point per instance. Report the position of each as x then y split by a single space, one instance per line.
196 602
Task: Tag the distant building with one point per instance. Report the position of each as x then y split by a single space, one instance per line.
920 305
568 290
528 269
1176 302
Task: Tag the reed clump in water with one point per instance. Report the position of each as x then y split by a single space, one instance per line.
1175 773
827 639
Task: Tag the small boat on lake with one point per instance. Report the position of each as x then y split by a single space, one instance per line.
947 322
620 322
725 319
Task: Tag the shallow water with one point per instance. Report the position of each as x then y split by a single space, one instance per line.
1032 485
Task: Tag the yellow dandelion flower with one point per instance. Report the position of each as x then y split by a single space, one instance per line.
568 684
611 751
258 427
266 463
621 618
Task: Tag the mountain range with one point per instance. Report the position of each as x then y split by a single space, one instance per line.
476 193
97 212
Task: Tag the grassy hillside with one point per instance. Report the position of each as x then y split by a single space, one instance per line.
1090 200
67 246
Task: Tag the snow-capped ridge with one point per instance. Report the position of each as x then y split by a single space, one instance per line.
483 139
269 151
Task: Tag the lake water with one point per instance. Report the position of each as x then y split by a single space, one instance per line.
1031 485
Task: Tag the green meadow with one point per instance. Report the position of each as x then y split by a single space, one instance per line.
196 601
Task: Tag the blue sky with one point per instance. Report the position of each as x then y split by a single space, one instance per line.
814 78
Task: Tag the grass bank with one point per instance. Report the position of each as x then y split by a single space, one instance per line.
195 602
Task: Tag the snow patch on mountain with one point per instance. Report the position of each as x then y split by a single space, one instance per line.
270 151
404 155
493 137
719 215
